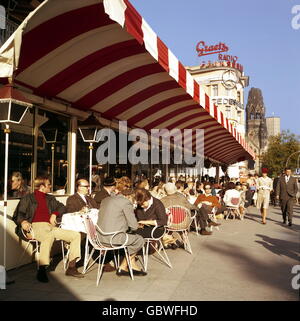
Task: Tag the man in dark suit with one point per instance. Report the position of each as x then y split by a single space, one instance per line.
109 185
80 201
286 191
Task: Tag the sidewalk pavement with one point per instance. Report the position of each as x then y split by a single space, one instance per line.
243 261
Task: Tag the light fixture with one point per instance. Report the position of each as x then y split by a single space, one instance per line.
88 130
13 106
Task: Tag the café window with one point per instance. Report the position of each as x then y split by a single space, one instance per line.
228 111
99 170
19 157
52 149
239 116
215 90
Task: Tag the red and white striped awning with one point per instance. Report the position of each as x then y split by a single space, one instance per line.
102 56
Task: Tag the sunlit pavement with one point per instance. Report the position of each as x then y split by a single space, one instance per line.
244 260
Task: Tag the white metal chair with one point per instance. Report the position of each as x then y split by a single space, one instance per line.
29 237
179 220
160 248
233 208
194 219
93 231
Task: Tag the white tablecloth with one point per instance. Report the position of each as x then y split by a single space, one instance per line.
74 221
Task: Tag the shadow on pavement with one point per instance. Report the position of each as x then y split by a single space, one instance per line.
257 218
280 247
275 275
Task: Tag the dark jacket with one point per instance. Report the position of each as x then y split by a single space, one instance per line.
286 190
100 196
75 203
27 206
156 212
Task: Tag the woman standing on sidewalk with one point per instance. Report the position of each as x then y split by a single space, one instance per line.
264 187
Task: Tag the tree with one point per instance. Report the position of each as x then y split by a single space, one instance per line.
280 147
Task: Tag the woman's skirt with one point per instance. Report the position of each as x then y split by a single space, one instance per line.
263 198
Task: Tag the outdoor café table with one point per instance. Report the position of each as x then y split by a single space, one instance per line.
74 222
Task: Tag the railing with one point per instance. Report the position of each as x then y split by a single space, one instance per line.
8 31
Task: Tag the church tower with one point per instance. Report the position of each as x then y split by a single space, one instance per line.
256 127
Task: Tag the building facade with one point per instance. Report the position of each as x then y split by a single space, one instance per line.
225 82
273 126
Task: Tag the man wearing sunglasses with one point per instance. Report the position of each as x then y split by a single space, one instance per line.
81 201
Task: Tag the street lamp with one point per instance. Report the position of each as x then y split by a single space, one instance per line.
53 132
287 161
13 107
88 130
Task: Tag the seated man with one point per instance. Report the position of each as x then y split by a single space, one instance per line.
174 198
38 211
209 201
109 185
116 213
80 201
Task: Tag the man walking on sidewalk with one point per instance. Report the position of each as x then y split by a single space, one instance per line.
286 191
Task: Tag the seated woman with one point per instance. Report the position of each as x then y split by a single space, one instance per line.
143 184
116 213
245 198
18 188
158 190
150 213
231 196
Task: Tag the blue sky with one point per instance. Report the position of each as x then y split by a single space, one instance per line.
259 32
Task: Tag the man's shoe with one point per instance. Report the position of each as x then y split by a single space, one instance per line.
284 222
108 268
212 223
204 232
179 244
290 223
42 275
139 273
122 272
72 271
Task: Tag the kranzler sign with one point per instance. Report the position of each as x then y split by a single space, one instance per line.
204 50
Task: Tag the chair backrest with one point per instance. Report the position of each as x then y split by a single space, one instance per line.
91 231
179 217
235 201
28 235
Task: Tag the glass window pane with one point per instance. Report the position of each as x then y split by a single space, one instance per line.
4 111
52 157
16 112
19 157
